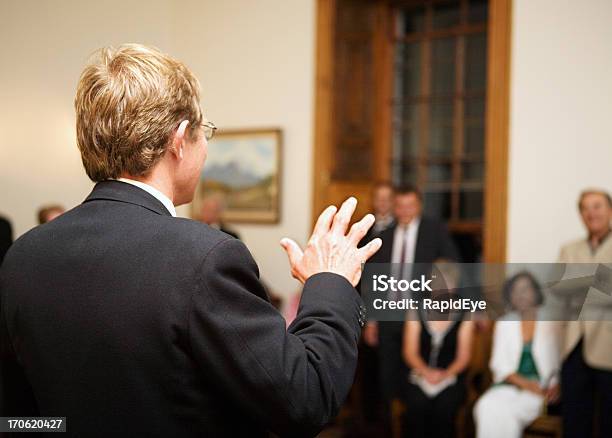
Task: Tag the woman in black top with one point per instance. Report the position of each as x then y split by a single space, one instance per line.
438 352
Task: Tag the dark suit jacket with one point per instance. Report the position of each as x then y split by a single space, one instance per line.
433 242
230 232
6 237
130 322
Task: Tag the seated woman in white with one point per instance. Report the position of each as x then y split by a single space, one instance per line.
525 363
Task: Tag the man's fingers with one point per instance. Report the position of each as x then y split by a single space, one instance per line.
370 249
324 221
343 217
293 250
359 229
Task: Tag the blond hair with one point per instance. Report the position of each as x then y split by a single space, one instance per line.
129 102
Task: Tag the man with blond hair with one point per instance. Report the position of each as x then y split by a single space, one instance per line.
129 321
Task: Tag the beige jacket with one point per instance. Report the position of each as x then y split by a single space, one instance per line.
597 335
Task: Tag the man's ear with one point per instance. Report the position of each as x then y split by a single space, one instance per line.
178 141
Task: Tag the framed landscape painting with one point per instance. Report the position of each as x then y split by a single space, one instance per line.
244 167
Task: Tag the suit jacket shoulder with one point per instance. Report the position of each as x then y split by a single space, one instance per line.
161 326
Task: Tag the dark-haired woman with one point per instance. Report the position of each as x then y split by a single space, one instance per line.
437 348
525 363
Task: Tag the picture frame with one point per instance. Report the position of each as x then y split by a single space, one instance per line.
244 167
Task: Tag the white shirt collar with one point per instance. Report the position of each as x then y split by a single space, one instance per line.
414 224
404 244
154 192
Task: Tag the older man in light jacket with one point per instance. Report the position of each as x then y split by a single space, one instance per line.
587 367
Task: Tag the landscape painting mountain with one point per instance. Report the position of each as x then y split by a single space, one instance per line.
244 167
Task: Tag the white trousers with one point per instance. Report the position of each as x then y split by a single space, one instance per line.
504 411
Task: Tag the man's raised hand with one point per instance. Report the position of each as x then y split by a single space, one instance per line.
330 248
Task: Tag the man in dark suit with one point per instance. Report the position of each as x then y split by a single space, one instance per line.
6 237
382 208
412 239
211 213
132 322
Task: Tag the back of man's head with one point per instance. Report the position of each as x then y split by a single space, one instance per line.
129 101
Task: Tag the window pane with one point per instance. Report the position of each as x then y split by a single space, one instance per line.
445 15
408 174
473 171
407 130
443 66
409 143
475 108
439 173
474 138
470 204
474 126
437 204
408 75
478 11
425 99
411 21
476 62
441 129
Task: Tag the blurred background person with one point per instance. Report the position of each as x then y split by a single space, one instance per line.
437 348
49 212
211 213
587 368
413 238
6 237
525 363
212 207
382 208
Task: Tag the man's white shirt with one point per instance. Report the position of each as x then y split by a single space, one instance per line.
408 234
154 192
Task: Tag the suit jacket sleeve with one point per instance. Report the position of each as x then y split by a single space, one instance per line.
16 395
291 380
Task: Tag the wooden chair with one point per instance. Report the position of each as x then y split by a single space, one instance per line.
545 426
398 408
477 380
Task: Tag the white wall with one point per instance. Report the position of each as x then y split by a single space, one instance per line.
561 113
256 64
44 45
255 61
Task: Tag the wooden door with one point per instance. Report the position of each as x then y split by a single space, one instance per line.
354 110
353 86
